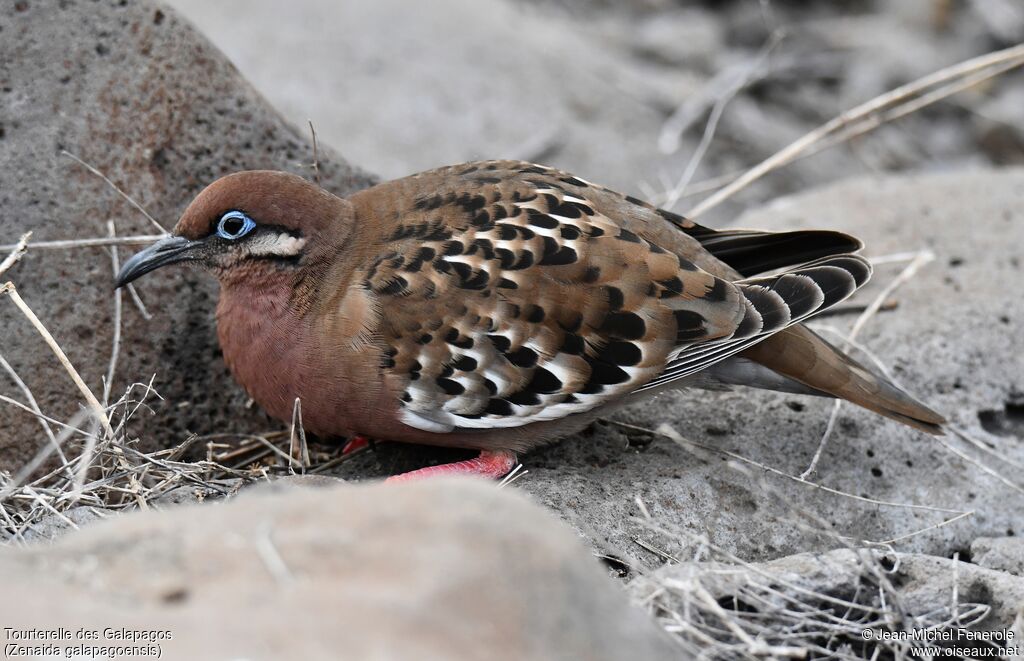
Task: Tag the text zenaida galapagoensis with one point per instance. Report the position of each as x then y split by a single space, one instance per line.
499 305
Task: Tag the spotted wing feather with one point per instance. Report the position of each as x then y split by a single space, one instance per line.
510 298
512 294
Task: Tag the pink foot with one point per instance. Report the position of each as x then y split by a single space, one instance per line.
489 464
357 442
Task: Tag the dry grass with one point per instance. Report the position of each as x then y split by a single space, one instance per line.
725 608
866 117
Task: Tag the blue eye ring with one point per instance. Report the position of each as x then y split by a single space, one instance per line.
234 225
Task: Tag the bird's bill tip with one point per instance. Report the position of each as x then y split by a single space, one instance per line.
169 250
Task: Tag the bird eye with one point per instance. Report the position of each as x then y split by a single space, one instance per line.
234 225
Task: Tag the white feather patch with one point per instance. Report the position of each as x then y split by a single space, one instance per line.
283 245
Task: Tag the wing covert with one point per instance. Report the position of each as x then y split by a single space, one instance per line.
508 300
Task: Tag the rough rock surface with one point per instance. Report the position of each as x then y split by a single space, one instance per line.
139 94
440 570
457 80
949 340
1000 553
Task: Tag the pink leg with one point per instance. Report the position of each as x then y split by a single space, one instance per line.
490 464
357 442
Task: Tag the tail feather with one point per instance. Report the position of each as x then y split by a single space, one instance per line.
751 252
800 360
771 304
799 354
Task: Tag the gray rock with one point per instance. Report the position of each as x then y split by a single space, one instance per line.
1001 553
439 570
52 526
452 81
136 92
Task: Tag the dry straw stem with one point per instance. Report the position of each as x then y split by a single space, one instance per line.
115 350
17 250
298 448
896 103
99 242
316 156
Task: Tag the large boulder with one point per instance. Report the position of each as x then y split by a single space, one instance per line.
136 92
441 570
452 81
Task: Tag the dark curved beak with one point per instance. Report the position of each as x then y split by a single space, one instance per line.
170 250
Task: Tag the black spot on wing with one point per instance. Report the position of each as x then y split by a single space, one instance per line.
524 398
607 374
500 342
572 344
673 218
497 406
557 257
544 381
624 325
454 338
615 297
470 203
690 326
569 232
541 220
620 353
450 386
522 357
718 293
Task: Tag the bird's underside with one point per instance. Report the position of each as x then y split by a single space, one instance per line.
514 296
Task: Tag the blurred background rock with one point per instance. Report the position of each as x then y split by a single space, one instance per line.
621 91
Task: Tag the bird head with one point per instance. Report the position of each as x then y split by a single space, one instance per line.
253 225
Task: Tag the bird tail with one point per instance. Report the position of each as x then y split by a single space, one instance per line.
801 355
